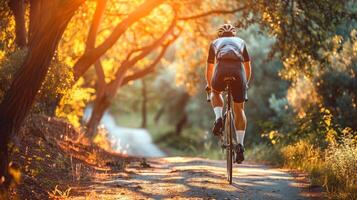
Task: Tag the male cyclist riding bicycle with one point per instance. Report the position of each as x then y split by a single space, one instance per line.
228 56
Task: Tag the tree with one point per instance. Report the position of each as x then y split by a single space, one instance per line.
50 20
107 92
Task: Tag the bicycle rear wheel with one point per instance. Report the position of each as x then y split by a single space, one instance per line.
229 146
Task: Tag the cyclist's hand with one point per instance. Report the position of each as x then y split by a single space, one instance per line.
208 93
208 88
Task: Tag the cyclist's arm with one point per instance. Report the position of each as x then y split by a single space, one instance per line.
247 65
209 73
248 70
210 65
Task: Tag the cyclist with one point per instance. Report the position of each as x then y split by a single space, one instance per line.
228 57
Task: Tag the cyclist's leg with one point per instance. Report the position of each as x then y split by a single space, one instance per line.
239 94
217 103
217 100
217 87
240 124
240 121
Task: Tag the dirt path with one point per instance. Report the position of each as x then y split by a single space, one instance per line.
196 178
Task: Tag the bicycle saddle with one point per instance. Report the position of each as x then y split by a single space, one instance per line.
230 78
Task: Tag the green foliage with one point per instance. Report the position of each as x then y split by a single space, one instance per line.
264 153
314 127
337 85
7 24
58 82
57 95
265 82
9 64
322 116
301 27
71 106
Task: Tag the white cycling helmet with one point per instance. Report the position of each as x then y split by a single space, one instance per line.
226 28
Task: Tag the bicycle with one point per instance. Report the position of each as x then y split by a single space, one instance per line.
228 139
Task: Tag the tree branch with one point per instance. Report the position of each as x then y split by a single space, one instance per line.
100 73
151 68
146 50
218 11
97 17
92 36
89 57
126 64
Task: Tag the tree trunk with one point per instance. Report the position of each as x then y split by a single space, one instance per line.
104 97
143 105
18 10
19 98
181 104
158 114
180 124
101 104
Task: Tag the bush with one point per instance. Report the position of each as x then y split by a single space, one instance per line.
304 156
58 82
265 153
9 64
301 155
341 160
72 104
334 168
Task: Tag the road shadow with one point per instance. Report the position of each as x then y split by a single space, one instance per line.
197 178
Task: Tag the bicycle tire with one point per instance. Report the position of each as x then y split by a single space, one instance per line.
229 149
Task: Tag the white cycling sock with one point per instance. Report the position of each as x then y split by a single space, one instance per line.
218 112
240 136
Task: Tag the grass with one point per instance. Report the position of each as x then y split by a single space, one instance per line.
58 194
341 162
334 168
56 154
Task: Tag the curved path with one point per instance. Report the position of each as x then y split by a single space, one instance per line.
197 178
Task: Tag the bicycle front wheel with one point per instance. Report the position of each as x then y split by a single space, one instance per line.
229 146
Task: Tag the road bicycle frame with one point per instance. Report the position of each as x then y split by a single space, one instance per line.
229 129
